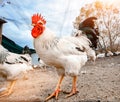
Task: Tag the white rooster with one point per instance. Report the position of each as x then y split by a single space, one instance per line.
11 67
67 54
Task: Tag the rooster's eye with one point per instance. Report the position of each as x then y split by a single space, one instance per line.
40 23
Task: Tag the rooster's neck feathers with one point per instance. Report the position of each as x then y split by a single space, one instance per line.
47 40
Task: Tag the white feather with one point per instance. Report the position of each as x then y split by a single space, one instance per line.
62 52
13 71
12 65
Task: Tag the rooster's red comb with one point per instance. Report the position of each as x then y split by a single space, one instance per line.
37 17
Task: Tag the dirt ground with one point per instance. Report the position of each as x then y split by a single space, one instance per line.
99 82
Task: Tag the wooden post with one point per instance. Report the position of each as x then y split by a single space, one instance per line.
0 33
1 24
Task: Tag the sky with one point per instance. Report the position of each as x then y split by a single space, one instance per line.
59 14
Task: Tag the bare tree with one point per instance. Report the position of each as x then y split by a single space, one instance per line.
108 23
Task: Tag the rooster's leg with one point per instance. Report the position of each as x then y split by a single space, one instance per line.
74 90
8 91
57 89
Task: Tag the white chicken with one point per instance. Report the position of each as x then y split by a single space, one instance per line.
67 54
11 67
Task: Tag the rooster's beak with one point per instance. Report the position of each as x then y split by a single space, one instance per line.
33 24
